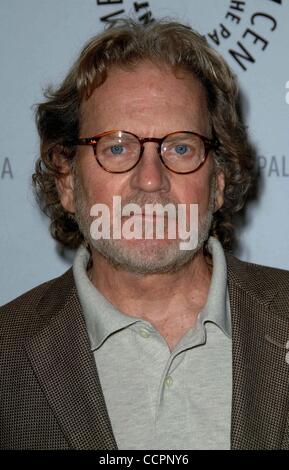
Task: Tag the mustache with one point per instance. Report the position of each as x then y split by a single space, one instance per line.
162 207
143 199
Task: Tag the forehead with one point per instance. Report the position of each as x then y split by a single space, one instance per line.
143 92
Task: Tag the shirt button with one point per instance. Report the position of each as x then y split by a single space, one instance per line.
169 381
144 333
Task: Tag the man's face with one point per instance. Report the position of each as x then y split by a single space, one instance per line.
148 101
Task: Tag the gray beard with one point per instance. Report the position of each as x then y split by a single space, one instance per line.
142 258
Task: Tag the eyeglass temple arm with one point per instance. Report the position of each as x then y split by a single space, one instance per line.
86 141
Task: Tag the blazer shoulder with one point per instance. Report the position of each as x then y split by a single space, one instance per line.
26 312
262 281
249 268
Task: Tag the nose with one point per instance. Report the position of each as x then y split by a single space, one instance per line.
150 175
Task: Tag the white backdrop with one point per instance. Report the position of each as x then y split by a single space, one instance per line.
39 40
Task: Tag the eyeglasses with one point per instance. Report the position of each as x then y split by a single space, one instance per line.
120 151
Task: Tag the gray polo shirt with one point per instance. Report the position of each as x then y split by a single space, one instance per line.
157 398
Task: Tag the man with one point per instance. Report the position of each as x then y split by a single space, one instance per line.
142 344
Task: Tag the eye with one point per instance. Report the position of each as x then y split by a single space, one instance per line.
116 149
181 149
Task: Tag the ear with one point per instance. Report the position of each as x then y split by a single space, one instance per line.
64 181
220 187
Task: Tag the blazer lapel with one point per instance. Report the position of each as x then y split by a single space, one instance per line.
64 365
260 372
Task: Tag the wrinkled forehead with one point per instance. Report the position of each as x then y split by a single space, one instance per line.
158 79
144 91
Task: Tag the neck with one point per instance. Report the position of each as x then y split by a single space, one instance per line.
155 297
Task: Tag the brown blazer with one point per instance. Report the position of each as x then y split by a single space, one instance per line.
50 394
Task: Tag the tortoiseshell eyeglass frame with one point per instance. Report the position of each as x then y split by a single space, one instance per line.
209 144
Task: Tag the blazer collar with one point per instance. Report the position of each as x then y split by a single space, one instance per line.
252 278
